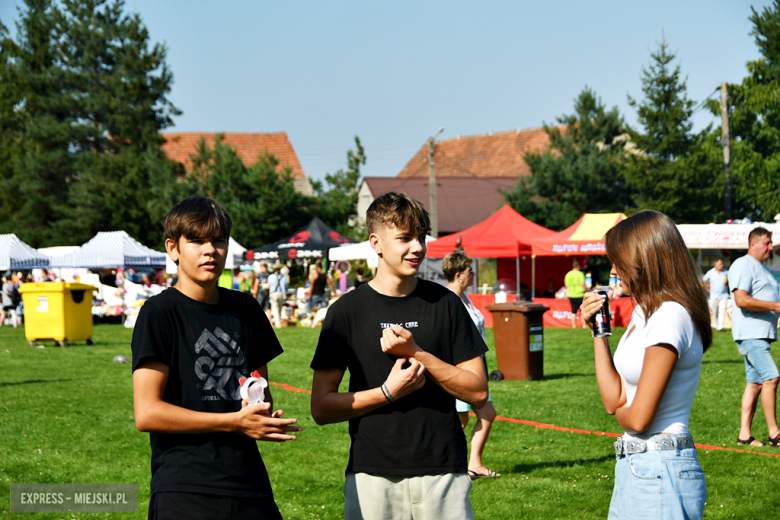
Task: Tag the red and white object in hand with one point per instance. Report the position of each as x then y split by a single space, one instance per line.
253 388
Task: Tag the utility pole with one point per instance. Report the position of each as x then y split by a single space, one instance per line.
728 189
432 185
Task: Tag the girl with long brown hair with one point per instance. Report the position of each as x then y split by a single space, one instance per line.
650 384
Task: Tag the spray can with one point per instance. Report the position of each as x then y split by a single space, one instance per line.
602 321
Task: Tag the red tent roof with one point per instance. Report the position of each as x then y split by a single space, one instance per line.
504 234
584 237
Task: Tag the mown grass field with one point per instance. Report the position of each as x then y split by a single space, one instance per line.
66 416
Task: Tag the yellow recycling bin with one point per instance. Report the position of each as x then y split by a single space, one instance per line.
58 311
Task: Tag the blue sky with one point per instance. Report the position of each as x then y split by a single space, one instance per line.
394 72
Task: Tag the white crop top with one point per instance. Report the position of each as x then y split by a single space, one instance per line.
672 325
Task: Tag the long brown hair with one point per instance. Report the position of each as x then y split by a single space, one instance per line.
649 252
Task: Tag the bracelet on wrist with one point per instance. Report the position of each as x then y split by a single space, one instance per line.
387 393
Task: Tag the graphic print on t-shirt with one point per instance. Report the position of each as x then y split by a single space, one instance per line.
217 367
406 325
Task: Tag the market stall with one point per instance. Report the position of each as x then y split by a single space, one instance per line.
311 242
505 235
15 254
115 250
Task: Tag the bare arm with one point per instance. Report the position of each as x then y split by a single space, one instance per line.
744 301
152 414
255 287
465 381
328 405
656 371
330 283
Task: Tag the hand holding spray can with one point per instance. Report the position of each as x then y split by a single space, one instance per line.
602 320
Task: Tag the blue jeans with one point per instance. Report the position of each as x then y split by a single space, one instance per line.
319 300
760 366
656 485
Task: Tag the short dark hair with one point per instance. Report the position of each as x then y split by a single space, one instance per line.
197 217
455 263
399 210
757 233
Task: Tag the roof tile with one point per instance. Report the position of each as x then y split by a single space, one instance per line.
249 147
497 154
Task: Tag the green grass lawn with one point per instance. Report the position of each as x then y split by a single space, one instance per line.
66 416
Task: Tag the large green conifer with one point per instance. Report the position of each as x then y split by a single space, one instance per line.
580 172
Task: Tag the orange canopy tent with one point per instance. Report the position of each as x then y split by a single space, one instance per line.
584 237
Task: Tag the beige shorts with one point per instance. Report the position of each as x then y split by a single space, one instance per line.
425 497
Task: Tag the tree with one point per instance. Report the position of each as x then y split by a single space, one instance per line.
675 170
580 172
261 201
338 205
754 114
93 96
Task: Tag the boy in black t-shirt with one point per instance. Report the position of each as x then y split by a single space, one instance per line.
411 349
191 344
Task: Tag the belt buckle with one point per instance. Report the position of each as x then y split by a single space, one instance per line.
636 446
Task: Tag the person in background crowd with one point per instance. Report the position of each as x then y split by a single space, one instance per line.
145 280
718 284
650 384
120 277
359 278
754 328
549 292
10 301
575 287
318 279
260 287
246 282
277 283
457 269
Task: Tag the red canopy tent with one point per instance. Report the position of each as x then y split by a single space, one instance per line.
505 234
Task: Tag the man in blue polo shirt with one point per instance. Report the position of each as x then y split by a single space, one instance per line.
754 328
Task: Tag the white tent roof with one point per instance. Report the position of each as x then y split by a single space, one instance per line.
15 254
110 249
723 236
57 250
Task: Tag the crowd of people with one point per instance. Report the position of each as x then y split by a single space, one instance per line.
415 353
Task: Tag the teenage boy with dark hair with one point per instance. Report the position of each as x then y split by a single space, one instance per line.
191 344
400 335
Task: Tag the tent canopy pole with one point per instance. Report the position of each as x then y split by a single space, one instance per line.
517 273
533 276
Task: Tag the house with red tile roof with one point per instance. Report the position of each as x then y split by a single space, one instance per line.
471 172
179 146
498 154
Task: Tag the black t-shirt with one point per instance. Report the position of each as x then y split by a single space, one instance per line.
419 434
208 348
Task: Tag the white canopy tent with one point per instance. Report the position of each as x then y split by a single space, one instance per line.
723 236
235 255
111 249
15 254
